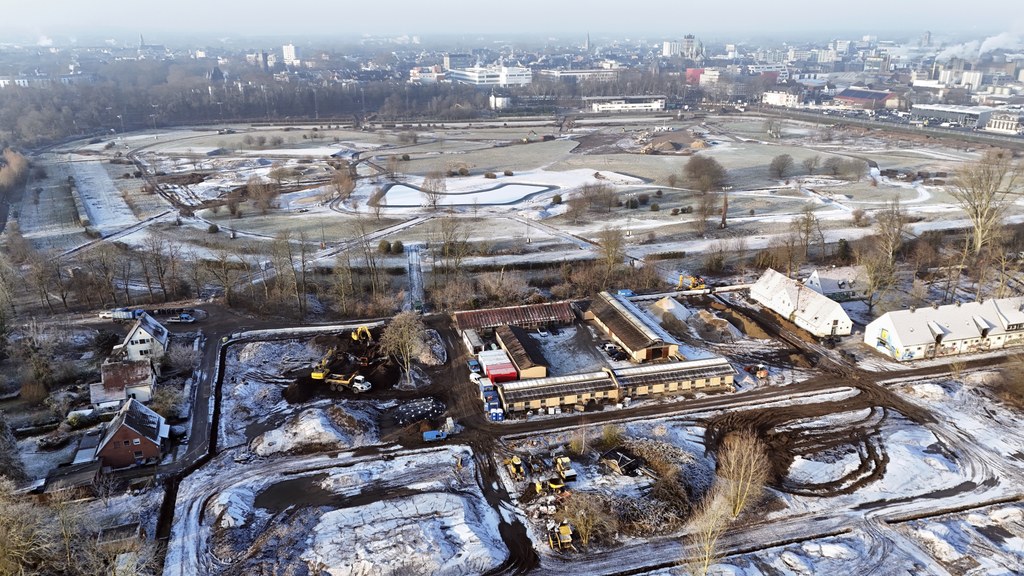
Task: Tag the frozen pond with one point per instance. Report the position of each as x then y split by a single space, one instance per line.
405 196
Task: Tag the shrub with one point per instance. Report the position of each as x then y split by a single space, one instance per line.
686 209
384 247
397 247
508 173
632 203
643 199
405 157
556 199
675 211
658 193
213 229
490 175
463 171
655 207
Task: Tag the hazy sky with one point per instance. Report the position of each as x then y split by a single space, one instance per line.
163 20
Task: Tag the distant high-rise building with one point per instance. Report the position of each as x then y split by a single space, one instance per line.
926 39
586 45
692 49
290 55
457 61
670 49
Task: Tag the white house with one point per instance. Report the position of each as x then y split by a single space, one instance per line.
121 381
800 305
946 330
780 98
146 340
841 283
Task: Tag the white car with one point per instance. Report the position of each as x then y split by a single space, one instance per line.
543 333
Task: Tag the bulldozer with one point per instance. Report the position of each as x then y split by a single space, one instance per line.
323 367
687 282
564 467
560 536
515 468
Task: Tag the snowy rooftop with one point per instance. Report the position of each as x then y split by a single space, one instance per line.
921 326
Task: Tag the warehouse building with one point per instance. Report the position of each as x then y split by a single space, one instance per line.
675 377
559 392
817 314
528 316
966 116
960 328
611 386
637 333
524 353
865 99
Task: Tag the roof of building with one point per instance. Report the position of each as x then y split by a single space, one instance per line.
635 329
538 388
921 326
116 376
858 93
791 298
523 351
953 108
554 312
142 420
840 279
71 476
150 326
673 372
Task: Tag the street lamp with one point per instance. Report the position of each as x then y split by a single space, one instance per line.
121 118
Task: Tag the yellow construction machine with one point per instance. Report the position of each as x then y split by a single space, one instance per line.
323 368
687 282
560 536
515 468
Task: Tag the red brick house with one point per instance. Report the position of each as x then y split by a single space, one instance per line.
135 436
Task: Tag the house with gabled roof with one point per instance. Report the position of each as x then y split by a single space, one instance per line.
639 334
121 380
146 340
840 283
135 436
960 328
800 305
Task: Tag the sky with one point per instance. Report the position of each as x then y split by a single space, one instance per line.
163 20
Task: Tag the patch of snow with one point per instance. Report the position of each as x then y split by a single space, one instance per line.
232 508
311 429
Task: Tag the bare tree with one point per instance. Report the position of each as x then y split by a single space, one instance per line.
880 270
705 173
807 227
743 469
613 250
403 338
985 190
590 516
378 200
434 188
780 165
342 183
705 529
810 163
891 226
576 207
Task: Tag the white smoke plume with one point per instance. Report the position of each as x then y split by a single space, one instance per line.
975 49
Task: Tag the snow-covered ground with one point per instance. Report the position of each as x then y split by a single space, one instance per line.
404 196
404 513
107 210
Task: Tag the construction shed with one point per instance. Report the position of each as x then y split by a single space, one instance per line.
523 351
559 392
528 316
632 329
675 377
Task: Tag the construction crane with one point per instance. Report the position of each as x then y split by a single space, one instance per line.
323 368
687 282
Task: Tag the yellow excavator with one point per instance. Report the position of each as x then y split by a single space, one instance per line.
362 336
687 282
322 368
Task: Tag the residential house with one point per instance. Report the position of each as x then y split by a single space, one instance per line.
800 305
842 284
121 380
959 328
135 436
146 340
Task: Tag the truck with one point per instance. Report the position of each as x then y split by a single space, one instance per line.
354 382
183 318
442 433
121 314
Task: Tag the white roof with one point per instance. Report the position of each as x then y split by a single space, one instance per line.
790 298
919 327
841 279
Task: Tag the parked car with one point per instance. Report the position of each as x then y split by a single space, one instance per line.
474 366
